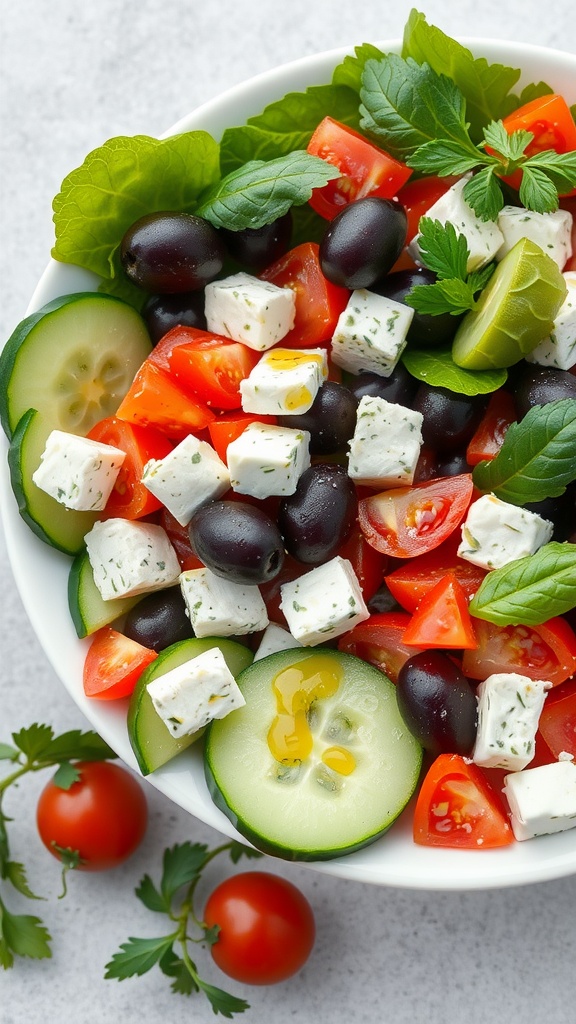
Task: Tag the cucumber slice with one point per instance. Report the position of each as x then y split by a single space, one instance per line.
60 527
302 808
73 361
88 609
151 742
515 311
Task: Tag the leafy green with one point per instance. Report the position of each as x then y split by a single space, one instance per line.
529 590
137 956
436 367
22 935
530 92
536 460
350 71
444 251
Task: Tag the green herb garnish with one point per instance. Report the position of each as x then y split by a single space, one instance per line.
529 590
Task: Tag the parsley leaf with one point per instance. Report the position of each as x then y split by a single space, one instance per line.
443 249
182 864
8 753
445 252
22 935
137 956
148 894
529 590
66 775
484 193
222 1002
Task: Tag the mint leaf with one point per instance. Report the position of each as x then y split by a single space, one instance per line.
436 367
222 1002
530 590
181 864
350 71
122 181
137 956
484 194
23 935
536 460
260 191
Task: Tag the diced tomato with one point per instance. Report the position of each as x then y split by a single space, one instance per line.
457 807
409 582
547 651
418 196
407 521
129 498
114 664
227 428
369 565
442 618
489 436
550 120
154 399
319 303
557 724
365 169
211 366
180 541
380 641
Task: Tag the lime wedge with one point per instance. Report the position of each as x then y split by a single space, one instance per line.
515 312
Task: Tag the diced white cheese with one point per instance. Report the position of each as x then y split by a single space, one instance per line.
285 381
266 460
324 603
275 639
244 308
542 800
188 477
130 558
386 443
78 472
219 608
496 532
559 349
370 335
195 693
551 231
484 237
509 708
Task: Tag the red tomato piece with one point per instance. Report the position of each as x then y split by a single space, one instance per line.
380 641
369 565
489 436
442 618
154 399
114 664
557 724
291 570
129 498
457 807
550 121
211 366
227 428
409 582
407 521
365 169
180 541
319 303
547 651
418 196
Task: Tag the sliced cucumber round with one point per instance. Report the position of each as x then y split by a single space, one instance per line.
515 311
151 741
88 609
56 525
361 768
73 361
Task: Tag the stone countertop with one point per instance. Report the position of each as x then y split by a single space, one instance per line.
71 76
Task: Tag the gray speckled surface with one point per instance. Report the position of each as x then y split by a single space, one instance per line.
73 75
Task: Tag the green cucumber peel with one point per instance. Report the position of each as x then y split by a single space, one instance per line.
529 590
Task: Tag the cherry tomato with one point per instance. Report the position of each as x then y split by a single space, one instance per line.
267 927
102 816
113 665
442 618
130 499
318 301
457 807
547 651
380 641
557 723
211 366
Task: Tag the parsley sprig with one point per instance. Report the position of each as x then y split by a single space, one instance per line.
174 897
445 252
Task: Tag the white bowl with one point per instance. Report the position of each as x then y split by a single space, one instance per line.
41 573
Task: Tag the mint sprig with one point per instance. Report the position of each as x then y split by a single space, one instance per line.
529 590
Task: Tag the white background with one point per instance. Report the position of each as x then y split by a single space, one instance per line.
72 75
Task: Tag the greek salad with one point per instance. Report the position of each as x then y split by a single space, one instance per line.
310 450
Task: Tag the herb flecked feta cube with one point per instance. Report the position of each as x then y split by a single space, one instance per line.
496 532
193 694
484 237
542 800
129 558
551 231
559 349
77 472
324 603
284 381
266 460
219 608
244 308
509 708
371 332
386 444
188 477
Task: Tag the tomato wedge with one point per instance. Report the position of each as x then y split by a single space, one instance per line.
319 303
129 498
547 651
457 807
114 664
407 521
211 366
489 436
154 399
368 564
228 427
409 582
442 618
550 121
557 724
180 541
380 641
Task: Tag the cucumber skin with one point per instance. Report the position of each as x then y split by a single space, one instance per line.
80 579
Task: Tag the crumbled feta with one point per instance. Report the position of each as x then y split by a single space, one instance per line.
509 708
542 800
484 237
285 381
386 443
195 693
370 335
551 231
244 308
559 349
219 608
77 472
130 558
188 477
266 460
275 638
496 532
324 603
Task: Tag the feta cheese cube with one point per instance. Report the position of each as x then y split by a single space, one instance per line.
188 477
496 532
324 603
285 381
551 231
268 460
275 639
386 443
220 608
130 558
244 308
195 693
484 237
509 708
77 472
559 349
370 335
542 800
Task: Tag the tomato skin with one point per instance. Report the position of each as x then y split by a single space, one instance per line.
547 651
319 303
211 366
418 196
412 580
267 927
442 619
129 498
114 664
489 436
457 807
369 565
557 723
155 399
228 427
103 815
380 641
550 121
